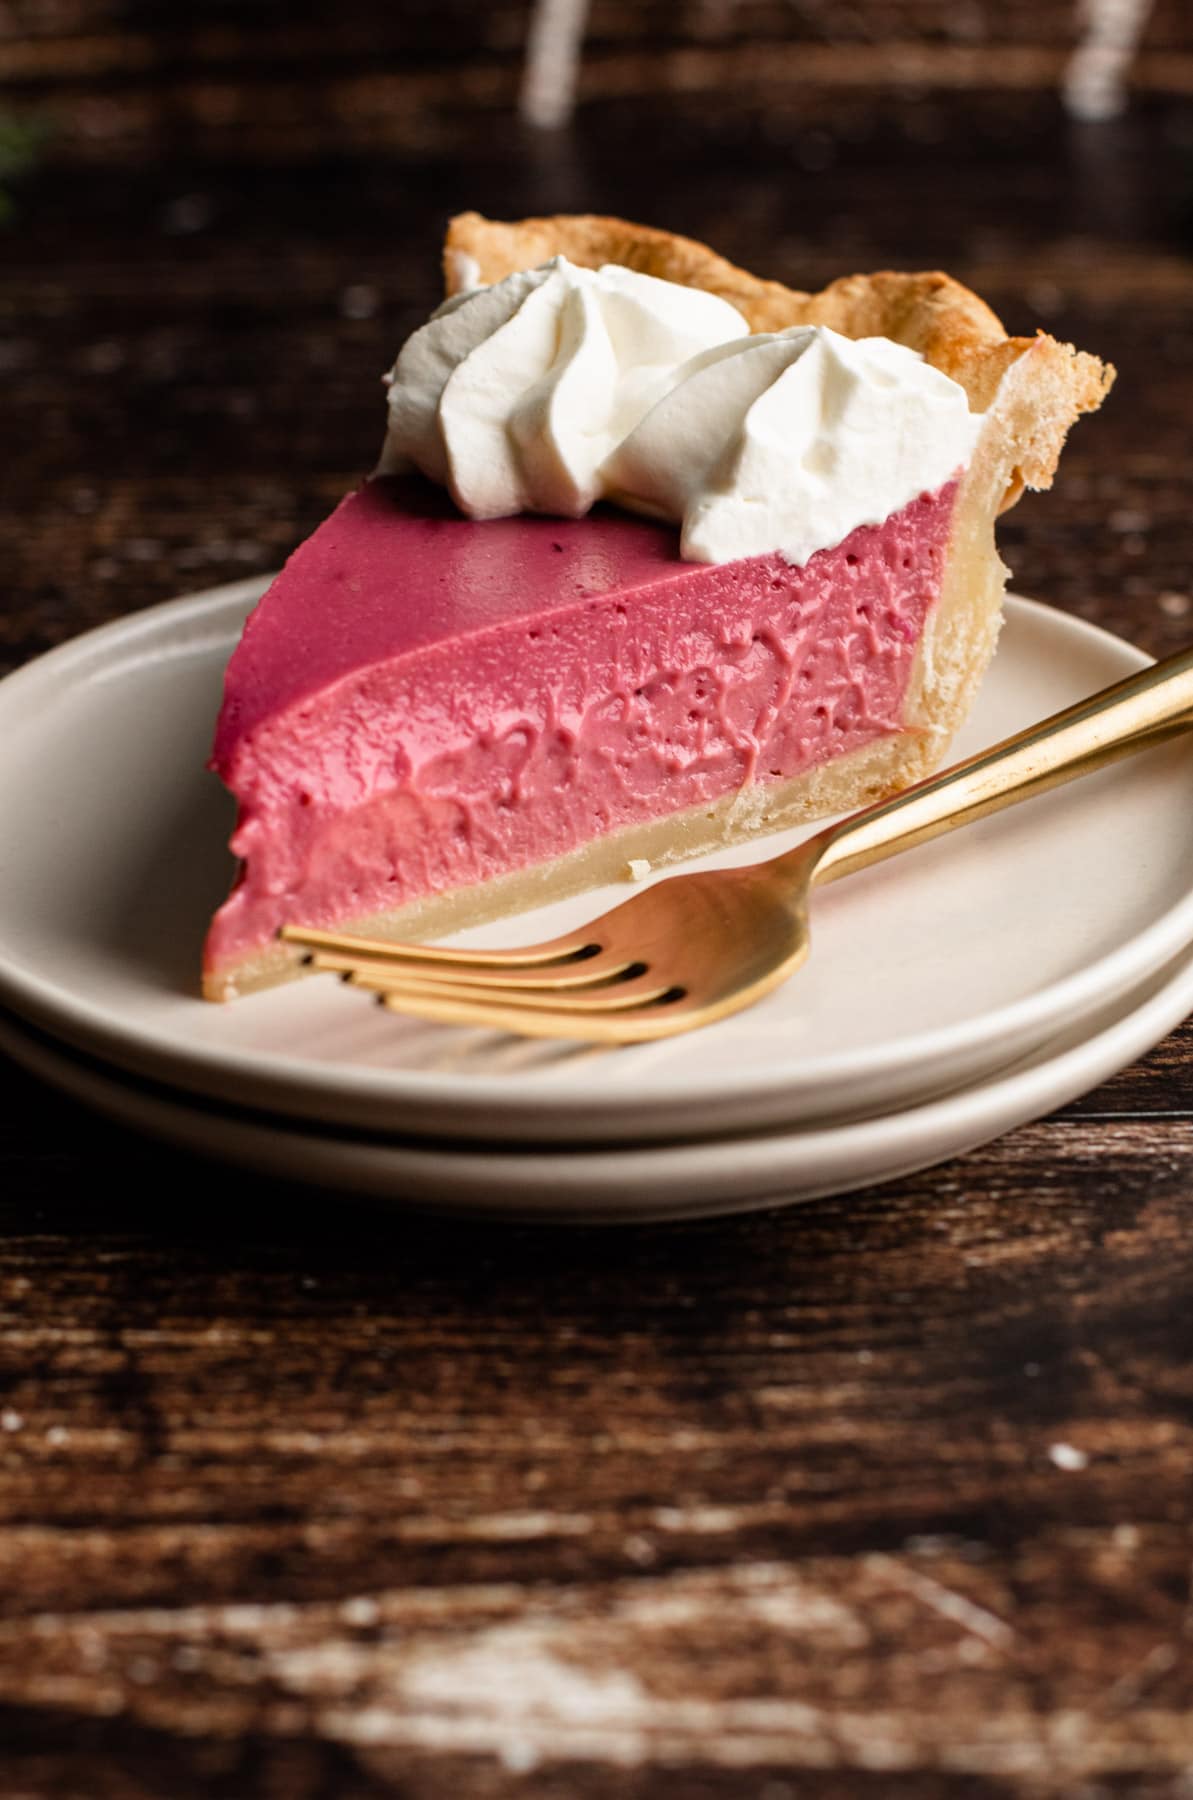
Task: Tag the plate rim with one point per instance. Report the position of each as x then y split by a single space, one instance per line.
82 1022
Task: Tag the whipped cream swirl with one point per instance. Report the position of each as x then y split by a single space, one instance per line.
560 386
790 440
514 395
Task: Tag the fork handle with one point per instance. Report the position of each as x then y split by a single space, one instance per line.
1145 708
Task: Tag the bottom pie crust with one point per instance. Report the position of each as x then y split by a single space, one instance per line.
841 785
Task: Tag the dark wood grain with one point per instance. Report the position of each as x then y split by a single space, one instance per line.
889 1495
117 82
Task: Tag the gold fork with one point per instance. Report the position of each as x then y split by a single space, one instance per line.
697 947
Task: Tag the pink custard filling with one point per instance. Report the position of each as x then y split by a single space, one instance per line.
421 703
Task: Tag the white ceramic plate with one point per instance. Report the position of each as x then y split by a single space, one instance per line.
637 1182
926 973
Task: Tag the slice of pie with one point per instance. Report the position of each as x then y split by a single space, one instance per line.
434 719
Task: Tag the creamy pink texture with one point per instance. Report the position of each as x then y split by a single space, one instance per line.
421 702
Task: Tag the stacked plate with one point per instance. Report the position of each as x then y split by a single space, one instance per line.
976 983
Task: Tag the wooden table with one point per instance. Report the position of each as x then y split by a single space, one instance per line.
887 1495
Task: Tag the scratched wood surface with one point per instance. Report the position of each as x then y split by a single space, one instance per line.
888 1495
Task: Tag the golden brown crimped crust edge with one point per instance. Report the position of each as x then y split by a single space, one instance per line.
929 312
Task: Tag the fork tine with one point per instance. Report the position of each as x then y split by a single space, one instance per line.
575 947
561 978
618 996
634 1026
